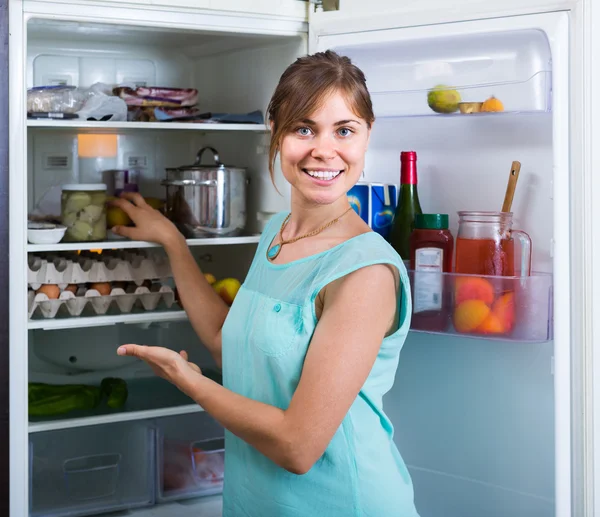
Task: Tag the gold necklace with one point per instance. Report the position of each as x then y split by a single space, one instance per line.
273 252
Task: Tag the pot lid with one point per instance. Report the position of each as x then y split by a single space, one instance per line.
198 166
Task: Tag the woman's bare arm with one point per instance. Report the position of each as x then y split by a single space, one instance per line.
204 307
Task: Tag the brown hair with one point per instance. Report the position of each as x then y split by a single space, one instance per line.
306 84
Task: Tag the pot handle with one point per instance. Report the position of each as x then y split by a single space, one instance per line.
189 183
215 156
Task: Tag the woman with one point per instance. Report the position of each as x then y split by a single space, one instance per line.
312 340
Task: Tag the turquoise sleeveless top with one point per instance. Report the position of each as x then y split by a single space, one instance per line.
265 339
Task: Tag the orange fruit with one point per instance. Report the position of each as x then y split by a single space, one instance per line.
473 288
469 315
492 104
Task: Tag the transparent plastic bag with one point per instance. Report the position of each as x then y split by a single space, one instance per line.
55 99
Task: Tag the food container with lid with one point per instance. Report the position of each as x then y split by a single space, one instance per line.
83 212
205 200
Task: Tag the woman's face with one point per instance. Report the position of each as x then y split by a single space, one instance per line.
323 156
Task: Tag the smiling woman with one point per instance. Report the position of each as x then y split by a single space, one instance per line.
312 341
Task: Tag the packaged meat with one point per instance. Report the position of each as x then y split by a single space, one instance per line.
157 96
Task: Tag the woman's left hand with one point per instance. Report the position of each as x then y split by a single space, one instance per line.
165 363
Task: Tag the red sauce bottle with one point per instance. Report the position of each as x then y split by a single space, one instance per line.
431 249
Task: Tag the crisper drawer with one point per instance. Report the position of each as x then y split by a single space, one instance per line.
90 470
190 457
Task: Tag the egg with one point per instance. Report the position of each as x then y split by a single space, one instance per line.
72 288
102 287
52 291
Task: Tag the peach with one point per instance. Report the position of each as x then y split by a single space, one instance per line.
469 315
491 325
504 310
473 288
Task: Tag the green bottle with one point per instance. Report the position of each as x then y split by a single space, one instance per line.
408 205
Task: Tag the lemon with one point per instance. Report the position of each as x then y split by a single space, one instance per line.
115 216
443 99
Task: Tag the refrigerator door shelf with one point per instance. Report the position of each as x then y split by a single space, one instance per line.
517 309
529 96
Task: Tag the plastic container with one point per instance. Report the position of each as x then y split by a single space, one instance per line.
91 470
190 457
83 212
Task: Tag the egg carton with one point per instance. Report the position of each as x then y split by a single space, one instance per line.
111 266
90 301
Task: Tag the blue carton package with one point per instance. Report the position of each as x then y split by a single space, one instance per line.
359 197
384 199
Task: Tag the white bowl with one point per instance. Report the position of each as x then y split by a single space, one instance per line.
45 233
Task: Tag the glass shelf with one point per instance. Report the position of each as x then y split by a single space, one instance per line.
515 309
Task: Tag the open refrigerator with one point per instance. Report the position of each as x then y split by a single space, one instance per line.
484 424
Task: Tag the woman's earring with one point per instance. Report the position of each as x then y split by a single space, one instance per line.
362 174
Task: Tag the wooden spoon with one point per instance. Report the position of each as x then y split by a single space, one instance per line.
512 185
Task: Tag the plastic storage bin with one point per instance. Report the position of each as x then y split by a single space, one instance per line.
190 457
91 470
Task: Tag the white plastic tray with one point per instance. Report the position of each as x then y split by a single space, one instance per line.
91 301
110 266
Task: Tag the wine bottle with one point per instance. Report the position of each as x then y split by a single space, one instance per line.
408 205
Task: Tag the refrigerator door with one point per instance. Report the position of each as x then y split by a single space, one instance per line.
464 417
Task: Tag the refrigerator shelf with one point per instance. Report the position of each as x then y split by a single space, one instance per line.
517 309
119 244
149 397
84 126
532 95
142 318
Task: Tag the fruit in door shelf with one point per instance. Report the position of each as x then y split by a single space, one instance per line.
479 310
473 288
469 315
227 289
492 105
504 309
443 99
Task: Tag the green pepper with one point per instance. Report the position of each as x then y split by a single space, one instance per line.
115 390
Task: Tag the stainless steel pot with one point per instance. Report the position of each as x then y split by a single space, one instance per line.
207 199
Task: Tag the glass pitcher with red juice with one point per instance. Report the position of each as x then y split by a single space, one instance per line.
485 247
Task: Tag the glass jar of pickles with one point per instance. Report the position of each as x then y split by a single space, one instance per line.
83 212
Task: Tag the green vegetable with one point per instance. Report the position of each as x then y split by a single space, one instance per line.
50 400
57 399
115 390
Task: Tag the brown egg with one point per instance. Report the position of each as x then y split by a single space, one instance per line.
50 290
72 288
102 287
